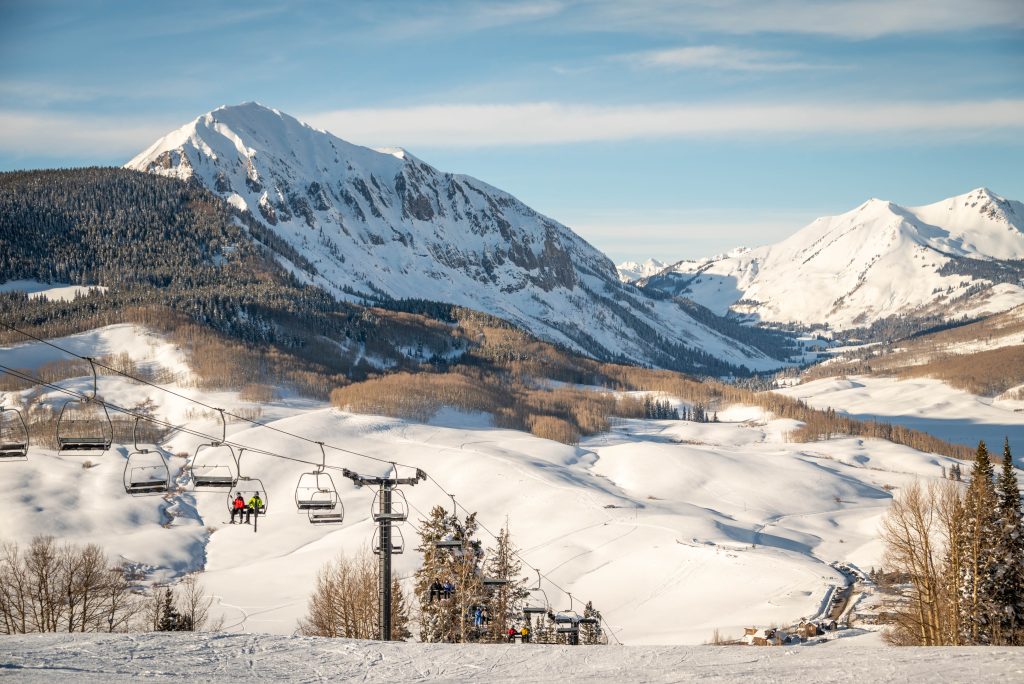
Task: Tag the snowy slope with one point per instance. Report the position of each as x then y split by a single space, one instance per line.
631 271
878 260
921 403
672 528
384 223
218 657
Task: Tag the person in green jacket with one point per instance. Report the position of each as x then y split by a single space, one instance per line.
254 506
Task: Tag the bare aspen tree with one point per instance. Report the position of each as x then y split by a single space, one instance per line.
909 530
194 604
344 602
951 523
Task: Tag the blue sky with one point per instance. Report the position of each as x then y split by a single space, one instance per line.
667 129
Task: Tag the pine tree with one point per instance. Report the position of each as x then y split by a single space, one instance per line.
1009 558
591 634
981 531
449 619
505 603
170 619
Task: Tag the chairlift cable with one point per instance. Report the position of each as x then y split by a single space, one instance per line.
197 401
250 421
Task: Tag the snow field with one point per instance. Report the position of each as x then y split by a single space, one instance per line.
219 657
671 528
920 403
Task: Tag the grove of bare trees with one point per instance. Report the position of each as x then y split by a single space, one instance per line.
963 550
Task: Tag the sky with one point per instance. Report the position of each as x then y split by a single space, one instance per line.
653 128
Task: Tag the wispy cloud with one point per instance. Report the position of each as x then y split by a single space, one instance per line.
69 135
419 20
542 123
856 19
717 57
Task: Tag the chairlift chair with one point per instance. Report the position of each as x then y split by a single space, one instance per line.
142 473
448 543
316 494
215 465
399 507
13 435
536 600
83 425
248 487
397 541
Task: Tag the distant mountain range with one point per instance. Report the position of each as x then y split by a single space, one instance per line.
375 226
961 257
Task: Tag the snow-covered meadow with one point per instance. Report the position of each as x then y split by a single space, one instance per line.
223 657
673 529
920 403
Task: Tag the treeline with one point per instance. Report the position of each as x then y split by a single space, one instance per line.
509 374
563 414
462 593
962 551
818 425
48 586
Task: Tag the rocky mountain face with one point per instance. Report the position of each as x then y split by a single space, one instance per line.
963 256
382 225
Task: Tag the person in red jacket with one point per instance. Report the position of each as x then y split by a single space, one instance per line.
237 508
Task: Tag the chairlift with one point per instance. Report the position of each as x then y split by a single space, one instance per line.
536 600
214 465
13 435
448 543
316 494
399 507
83 425
145 470
397 541
248 487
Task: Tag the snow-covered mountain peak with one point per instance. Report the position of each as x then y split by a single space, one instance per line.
632 271
877 260
382 224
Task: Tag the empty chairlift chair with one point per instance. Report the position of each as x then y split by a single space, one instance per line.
396 542
536 601
13 435
249 488
83 425
145 470
316 494
396 509
215 465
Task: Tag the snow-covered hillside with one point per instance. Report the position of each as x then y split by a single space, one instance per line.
217 657
631 271
384 223
671 528
878 260
923 404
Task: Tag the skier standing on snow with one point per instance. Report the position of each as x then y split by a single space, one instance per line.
237 508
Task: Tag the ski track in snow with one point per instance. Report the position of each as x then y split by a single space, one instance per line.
221 657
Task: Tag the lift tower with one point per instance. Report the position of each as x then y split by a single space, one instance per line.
386 510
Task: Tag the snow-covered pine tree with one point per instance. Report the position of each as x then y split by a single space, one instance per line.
591 635
449 619
505 603
1009 558
981 531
